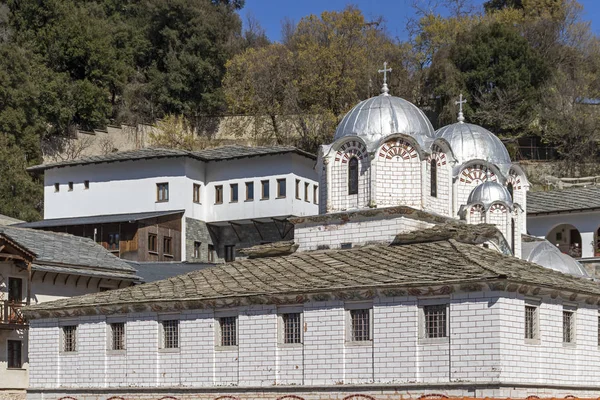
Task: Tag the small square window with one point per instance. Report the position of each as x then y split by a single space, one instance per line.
14 354
162 192
531 322
196 193
211 253
70 186
229 253
568 326
170 334
152 242
306 192
435 321
298 189
264 192
345 246
86 185
219 194
249 191
56 187
69 338
117 331
281 188
197 249
360 325
233 193
291 328
167 248
228 326
315 194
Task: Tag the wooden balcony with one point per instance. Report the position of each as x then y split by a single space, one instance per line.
11 316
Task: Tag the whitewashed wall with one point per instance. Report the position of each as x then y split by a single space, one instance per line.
486 344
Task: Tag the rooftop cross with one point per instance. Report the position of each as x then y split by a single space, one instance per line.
460 102
385 70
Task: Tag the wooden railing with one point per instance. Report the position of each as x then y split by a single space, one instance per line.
10 313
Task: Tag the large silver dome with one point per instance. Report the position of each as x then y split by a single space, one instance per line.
489 192
544 253
381 116
473 142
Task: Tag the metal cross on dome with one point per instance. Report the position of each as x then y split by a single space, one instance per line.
385 70
460 102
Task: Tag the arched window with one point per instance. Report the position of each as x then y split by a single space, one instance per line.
433 182
510 190
512 235
353 176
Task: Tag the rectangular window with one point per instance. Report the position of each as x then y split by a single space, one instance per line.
56 187
360 328
152 242
531 322
86 185
117 331
281 189
292 328
211 253
315 194
228 327
233 193
197 249
219 194
345 246
229 253
13 353
70 186
568 326
249 191
113 241
196 193
306 192
264 192
162 192
435 319
298 189
69 338
15 290
433 178
170 334
167 249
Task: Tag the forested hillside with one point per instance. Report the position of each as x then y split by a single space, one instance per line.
528 68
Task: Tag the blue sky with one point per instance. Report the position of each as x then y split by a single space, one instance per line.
396 12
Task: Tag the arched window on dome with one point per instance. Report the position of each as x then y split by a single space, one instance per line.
353 176
510 190
433 183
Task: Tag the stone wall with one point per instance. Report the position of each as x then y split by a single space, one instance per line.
197 231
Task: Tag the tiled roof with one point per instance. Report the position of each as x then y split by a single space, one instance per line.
67 250
216 154
96 219
156 271
573 199
444 262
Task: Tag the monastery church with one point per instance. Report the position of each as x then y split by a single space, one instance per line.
414 279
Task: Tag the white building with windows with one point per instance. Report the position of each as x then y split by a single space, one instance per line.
415 279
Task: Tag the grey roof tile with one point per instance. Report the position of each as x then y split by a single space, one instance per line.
571 199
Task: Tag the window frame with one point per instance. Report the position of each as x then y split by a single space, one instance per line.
279 186
572 310
353 167
536 321
229 255
86 185
56 187
219 319
306 192
162 188
197 249
281 325
265 184
315 194
298 190
152 239
211 253
168 245
70 186
423 333
9 289
218 194
111 324
73 346
351 309
174 344
233 189
249 190
9 357
433 178
196 193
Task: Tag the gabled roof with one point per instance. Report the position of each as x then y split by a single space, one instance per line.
216 154
68 251
97 219
444 262
556 201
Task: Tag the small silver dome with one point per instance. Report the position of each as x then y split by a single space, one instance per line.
489 192
547 255
381 116
473 142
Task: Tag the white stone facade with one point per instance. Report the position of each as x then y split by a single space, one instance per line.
484 352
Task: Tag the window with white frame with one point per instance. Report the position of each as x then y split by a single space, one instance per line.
291 328
434 321
117 336
69 336
228 331
360 325
170 334
568 325
531 322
